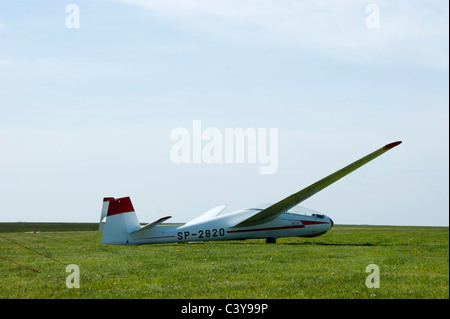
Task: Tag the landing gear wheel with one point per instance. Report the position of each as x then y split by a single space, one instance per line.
271 240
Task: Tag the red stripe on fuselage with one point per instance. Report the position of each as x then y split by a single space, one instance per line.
312 222
158 237
263 229
304 222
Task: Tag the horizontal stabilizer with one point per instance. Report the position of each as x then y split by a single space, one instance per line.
151 225
274 210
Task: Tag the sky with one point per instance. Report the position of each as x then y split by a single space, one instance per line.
91 92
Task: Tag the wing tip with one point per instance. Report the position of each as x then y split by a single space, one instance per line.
392 145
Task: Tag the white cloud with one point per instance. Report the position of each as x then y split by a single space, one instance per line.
408 30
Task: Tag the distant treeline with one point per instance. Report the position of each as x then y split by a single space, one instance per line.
46 227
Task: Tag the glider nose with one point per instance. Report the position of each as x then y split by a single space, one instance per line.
331 222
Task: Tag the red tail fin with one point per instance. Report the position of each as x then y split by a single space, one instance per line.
119 206
118 219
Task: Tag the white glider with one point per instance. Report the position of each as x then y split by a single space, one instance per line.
120 224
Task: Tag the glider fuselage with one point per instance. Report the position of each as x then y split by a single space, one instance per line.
288 224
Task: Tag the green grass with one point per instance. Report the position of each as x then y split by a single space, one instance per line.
413 263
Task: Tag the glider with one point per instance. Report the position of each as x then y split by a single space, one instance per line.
119 223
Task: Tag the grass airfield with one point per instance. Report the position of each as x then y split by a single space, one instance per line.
413 262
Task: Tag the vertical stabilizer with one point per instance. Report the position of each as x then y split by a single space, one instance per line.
120 219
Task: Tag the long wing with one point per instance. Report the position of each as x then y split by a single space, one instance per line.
274 210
